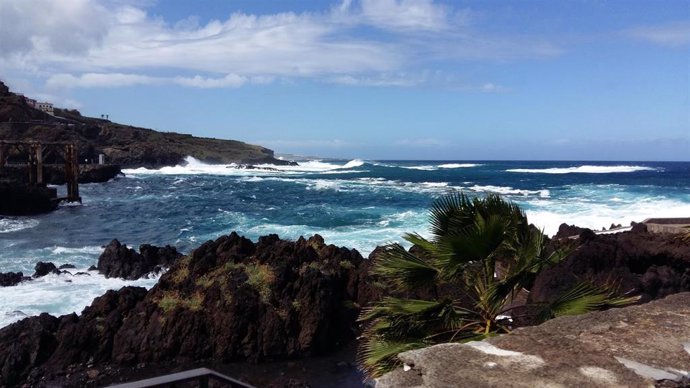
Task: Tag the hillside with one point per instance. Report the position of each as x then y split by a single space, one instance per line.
124 145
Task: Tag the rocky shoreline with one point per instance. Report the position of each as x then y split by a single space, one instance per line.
295 303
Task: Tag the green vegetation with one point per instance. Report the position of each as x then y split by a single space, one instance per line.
172 300
482 253
261 277
181 272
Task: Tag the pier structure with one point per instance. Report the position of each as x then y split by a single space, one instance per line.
34 154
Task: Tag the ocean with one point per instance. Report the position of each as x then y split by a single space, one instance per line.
354 203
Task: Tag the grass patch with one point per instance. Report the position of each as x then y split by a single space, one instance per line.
345 264
172 300
181 273
260 276
205 281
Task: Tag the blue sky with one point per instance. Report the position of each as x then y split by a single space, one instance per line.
372 79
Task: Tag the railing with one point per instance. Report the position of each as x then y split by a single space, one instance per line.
201 376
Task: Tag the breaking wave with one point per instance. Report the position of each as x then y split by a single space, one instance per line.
585 169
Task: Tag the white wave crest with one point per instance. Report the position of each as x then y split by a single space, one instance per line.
505 190
95 249
458 165
585 169
353 163
549 213
422 168
194 166
8 225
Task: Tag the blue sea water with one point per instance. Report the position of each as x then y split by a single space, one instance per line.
358 204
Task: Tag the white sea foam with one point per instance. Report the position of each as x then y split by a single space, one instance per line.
57 294
8 225
596 213
422 168
505 190
193 166
585 169
458 165
94 249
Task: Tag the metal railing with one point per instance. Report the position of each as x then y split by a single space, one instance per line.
200 376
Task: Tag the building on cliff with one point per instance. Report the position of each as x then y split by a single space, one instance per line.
46 107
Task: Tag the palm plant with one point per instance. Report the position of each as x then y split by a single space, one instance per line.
457 285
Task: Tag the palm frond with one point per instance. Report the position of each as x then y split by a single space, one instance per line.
584 297
402 269
377 356
415 239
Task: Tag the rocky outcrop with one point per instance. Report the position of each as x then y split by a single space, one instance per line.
270 300
565 231
25 345
648 264
44 268
229 300
637 346
118 261
8 279
21 200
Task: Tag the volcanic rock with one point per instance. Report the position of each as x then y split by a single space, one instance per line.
565 231
43 269
637 262
229 300
26 344
270 300
121 262
11 278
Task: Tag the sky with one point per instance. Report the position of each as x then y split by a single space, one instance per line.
370 79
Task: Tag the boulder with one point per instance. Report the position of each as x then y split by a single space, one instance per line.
637 346
26 344
11 278
119 261
43 269
565 231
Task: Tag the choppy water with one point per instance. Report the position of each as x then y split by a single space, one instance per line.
358 204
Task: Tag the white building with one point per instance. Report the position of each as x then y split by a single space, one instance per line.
45 107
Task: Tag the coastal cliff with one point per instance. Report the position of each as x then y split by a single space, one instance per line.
123 145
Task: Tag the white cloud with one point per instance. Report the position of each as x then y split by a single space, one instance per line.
109 43
674 34
383 80
103 80
60 27
405 14
99 80
230 80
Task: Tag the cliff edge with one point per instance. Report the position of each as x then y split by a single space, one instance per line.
123 145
